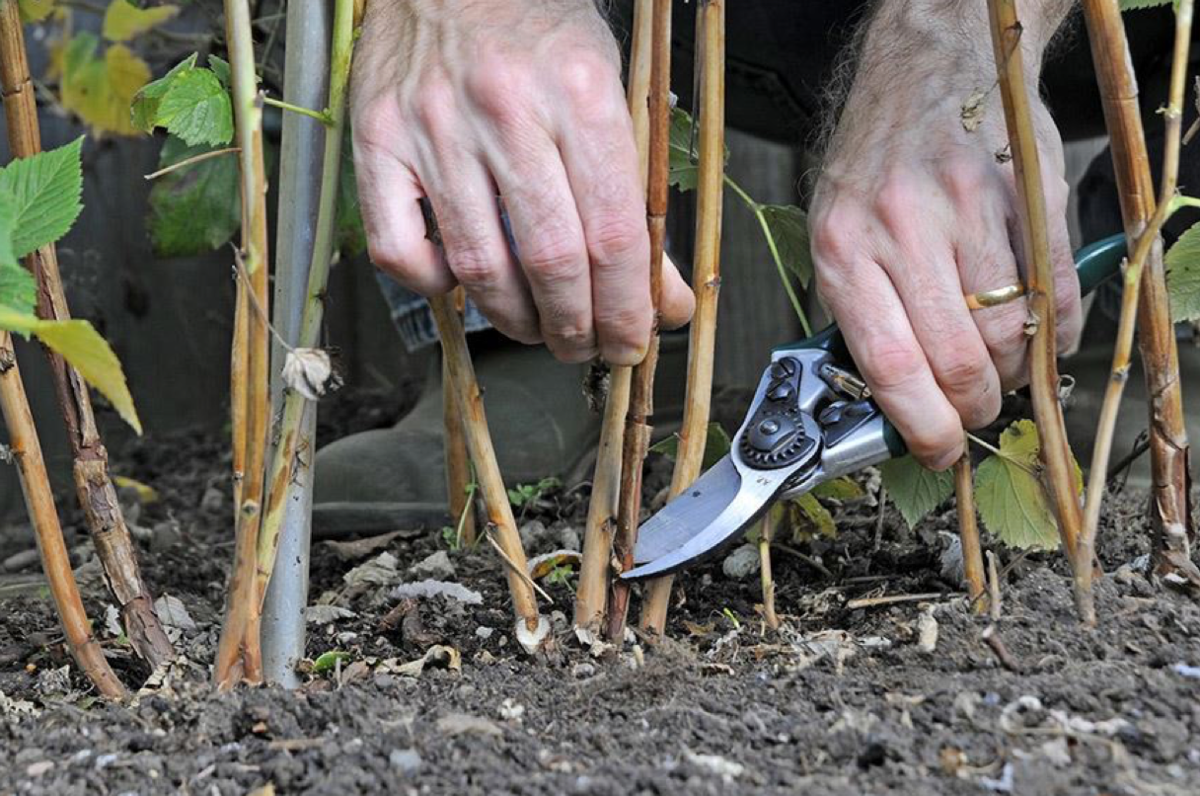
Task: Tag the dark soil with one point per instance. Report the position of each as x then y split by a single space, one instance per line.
841 701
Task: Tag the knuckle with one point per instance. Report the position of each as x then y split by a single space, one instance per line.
433 103
500 84
835 233
962 370
586 75
553 260
473 265
896 199
616 238
964 177
891 366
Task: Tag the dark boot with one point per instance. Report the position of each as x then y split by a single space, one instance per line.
540 423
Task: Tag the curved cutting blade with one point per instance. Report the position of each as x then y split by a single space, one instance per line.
699 523
691 511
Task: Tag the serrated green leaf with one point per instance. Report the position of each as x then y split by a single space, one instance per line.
815 515
682 156
328 661
914 489
123 21
716 445
220 68
1183 275
45 191
844 488
1012 501
789 229
197 108
35 10
85 350
18 288
197 208
144 108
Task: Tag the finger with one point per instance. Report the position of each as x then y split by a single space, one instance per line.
595 136
389 200
986 262
880 339
926 278
550 243
477 250
678 300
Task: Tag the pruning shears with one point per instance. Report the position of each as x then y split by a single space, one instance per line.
812 420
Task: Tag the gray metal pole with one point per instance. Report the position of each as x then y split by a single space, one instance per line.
306 80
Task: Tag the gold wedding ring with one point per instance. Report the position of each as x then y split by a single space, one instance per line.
994 298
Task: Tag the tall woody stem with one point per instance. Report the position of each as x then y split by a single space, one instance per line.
458 463
239 653
641 395
531 627
39 500
706 280
1170 508
1147 246
1047 412
591 596
93 485
968 530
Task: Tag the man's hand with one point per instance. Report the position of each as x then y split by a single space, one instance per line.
913 211
464 101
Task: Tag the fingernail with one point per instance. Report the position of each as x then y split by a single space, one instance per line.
624 355
947 461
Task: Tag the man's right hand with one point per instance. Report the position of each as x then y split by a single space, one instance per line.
464 101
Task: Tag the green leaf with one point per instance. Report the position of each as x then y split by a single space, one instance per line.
45 190
100 90
86 351
18 289
145 103
351 236
328 661
197 208
816 515
1183 275
716 445
123 21
682 160
197 108
844 488
1012 501
35 10
220 68
789 228
914 489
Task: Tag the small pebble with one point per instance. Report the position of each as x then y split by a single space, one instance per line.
484 632
213 500
582 670
406 761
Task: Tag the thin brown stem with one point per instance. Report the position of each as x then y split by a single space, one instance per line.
1055 450
641 395
706 282
239 653
469 401
93 485
968 530
1147 242
766 534
458 465
591 596
26 452
1170 506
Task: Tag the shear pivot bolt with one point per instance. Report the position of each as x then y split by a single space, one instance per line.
768 426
